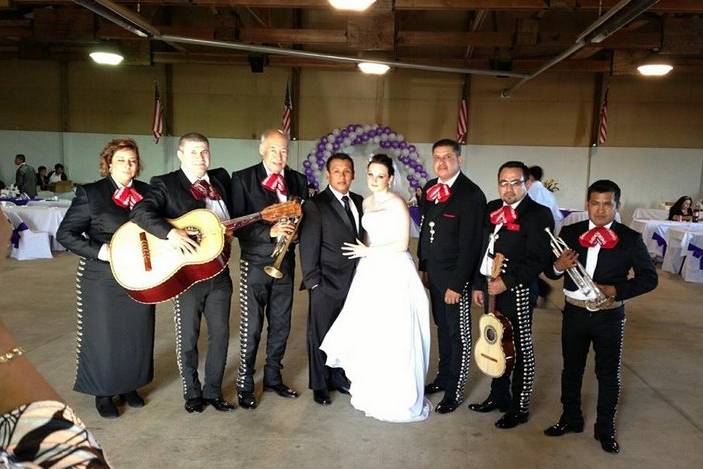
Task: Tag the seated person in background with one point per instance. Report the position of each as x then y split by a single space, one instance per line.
681 210
57 174
36 427
42 178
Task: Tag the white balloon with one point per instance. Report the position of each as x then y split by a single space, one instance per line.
328 146
327 154
352 135
376 139
330 138
400 137
384 137
367 128
411 171
375 126
404 152
346 142
335 132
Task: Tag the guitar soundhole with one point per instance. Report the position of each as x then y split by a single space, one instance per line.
490 334
194 234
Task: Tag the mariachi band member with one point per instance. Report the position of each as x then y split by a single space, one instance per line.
194 186
515 228
453 209
608 250
115 338
253 189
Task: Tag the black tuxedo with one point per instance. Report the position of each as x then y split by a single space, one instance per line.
259 293
115 337
449 250
170 197
528 253
327 274
605 328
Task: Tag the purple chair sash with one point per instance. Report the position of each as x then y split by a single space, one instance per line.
697 253
660 241
15 238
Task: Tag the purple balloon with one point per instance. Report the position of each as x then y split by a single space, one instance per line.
306 163
423 173
411 148
409 178
394 144
365 138
335 146
414 184
403 145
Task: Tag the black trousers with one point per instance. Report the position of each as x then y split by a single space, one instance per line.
263 296
603 329
210 298
454 341
516 306
322 312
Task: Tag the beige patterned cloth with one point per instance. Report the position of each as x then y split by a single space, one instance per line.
47 434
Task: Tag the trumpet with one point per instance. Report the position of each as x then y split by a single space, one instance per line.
584 282
282 243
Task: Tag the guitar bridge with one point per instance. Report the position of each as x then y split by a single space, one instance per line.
146 254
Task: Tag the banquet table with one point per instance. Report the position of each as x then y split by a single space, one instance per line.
41 219
650 214
656 232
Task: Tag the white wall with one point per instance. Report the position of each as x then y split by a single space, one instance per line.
647 176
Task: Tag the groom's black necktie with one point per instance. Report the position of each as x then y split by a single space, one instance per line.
347 208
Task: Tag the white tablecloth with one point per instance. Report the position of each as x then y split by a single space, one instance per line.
41 219
650 214
656 232
676 249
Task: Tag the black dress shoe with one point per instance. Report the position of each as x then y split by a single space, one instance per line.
489 405
512 419
195 404
247 400
105 407
433 388
562 428
282 390
322 397
220 404
447 405
133 399
607 442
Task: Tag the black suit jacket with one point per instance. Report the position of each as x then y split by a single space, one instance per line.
614 264
527 250
170 197
326 227
452 258
93 212
248 196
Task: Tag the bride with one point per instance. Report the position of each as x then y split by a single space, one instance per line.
382 337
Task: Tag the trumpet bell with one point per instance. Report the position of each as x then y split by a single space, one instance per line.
272 271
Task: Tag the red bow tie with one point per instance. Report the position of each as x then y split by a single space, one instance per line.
126 197
599 235
275 183
439 193
507 216
201 189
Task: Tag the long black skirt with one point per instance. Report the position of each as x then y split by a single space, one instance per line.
115 336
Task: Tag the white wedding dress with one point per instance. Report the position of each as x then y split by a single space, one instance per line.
382 336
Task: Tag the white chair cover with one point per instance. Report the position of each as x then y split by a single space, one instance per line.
31 245
691 270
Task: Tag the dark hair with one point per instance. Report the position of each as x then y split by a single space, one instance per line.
193 137
21 157
40 168
57 166
384 160
518 165
676 208
536 173
448 142
339 156
602 186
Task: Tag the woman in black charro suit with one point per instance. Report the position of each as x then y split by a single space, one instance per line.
115 337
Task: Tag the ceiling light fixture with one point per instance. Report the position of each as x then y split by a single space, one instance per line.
354 5
106 54
373 68
655 66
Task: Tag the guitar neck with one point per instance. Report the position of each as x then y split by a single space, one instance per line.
237 223
491 303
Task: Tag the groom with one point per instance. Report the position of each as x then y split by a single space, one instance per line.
453 209
331 218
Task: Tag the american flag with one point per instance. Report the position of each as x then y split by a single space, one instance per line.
603 123
462 123
157 121
287 109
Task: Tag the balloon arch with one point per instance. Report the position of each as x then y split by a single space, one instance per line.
344 138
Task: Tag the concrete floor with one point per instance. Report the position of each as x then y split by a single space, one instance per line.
659 420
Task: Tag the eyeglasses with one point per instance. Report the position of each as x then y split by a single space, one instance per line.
514 183
442 159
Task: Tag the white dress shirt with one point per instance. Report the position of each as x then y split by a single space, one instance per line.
217 206
487 262
354 211
591 262
544 196
281 197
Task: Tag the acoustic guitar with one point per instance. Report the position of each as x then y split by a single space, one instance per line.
152 271
495 351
